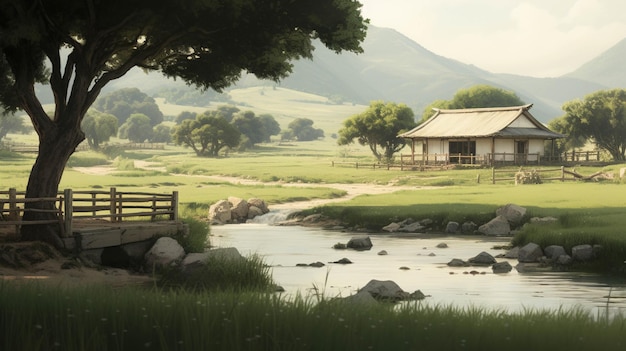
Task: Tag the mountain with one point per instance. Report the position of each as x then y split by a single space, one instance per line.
606 69
395 68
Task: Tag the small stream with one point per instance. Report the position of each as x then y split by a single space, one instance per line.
283 247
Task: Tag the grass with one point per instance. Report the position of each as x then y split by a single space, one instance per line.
47 318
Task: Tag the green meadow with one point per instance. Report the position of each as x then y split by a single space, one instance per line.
222 310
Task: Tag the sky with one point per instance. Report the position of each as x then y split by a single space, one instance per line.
537 38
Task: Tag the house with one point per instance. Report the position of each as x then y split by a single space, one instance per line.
480 135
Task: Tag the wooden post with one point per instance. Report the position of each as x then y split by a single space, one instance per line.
112 206
13 212
332 163
68 211
493 175
154 203
120 207
174 215
93 203
562 173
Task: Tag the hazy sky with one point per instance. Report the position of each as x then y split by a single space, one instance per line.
539 38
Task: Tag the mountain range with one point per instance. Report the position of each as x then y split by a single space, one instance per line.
395 68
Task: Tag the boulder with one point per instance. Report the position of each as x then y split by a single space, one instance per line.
382 253
361 298
219 212
411 228
385 290
256 202
442 246
482 258
391 227
496 227
512 253
343 261
238 209
254 211
530 252
622 172
564 260
452 227
554 251
513 213
501 267
457 262
360 243
468 227
165 252
582 252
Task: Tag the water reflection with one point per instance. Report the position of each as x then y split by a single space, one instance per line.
284 247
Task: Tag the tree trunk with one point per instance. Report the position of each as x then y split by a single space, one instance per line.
56 145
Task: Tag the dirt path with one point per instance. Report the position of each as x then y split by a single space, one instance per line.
352 190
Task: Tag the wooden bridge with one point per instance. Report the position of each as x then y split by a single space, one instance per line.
96 219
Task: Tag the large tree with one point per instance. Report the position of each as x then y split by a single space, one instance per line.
476 96
124 102
78 47
601 118
207 135
378 127
99 128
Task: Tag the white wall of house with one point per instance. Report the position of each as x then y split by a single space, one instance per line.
504 148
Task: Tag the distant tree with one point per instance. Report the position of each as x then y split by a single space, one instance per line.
378 127
207 135
270 127
257 129
161 134
477 96
79 47
136 129
99 128
185 115
124 102
302 129
11 124
599 117
227 112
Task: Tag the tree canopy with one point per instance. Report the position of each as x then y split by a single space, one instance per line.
600 117
99 127
257 129
302 129
207 135
378 127
137 128
88 44
477 96
124 102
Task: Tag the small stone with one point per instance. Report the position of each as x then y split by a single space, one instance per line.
442 246
382 253
404 268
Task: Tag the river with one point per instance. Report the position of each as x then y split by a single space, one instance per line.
283 247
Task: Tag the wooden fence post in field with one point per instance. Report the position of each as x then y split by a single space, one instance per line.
113 207
562 173
154 205
13 213
174 215
68 211
493 175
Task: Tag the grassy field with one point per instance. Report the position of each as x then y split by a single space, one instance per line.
37 317
47 318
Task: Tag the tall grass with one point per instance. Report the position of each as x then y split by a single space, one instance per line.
37 318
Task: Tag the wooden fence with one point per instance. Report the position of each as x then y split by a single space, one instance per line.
561 174
112 206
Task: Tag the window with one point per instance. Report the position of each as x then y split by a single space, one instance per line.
460 151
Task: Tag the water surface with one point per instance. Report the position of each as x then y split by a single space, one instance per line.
283 247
